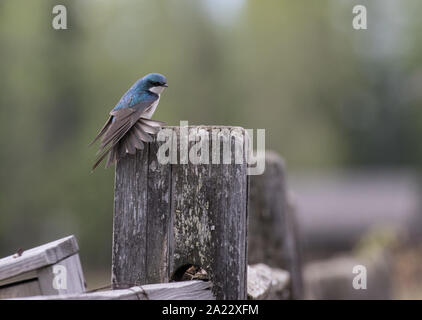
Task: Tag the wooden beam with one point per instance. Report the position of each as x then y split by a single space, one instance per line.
184 290
272 233
263 282
169 216
36 271
38 257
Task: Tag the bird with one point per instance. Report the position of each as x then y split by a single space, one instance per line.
129 125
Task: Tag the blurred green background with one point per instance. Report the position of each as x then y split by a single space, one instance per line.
328 96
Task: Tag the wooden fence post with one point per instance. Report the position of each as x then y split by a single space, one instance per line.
273 235
170 216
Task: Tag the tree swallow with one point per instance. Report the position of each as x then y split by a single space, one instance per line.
130 124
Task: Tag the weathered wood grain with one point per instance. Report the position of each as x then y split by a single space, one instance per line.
33 272
184 290
263 283
171 216
129 258
75 282
266 283
259 282
37 257
27 288
272 232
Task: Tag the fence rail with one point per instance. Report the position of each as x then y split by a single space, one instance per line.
184 290
263 283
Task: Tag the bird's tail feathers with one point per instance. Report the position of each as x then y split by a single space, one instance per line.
134 139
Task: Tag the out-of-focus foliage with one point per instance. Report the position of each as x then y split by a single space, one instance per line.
327 95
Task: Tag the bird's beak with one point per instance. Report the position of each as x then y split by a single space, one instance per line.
165 85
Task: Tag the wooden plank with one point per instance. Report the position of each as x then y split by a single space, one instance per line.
263 283
130 221
266 283
75 282
159 225
25 288
272 234
184 290
174 215
19 278
38 257
259 282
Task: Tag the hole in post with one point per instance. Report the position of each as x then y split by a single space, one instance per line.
190 272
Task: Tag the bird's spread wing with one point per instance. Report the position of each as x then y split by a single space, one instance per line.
124 132
123 120
103 130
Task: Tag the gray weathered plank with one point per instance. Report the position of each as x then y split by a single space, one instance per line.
259 281
159 224
37 257
184 290
272 232
266 283
22 289
74 277
173 215
129 224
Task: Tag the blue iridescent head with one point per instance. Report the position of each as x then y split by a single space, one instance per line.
154 82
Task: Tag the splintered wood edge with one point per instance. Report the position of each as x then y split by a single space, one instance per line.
263 280
183 290
38 257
